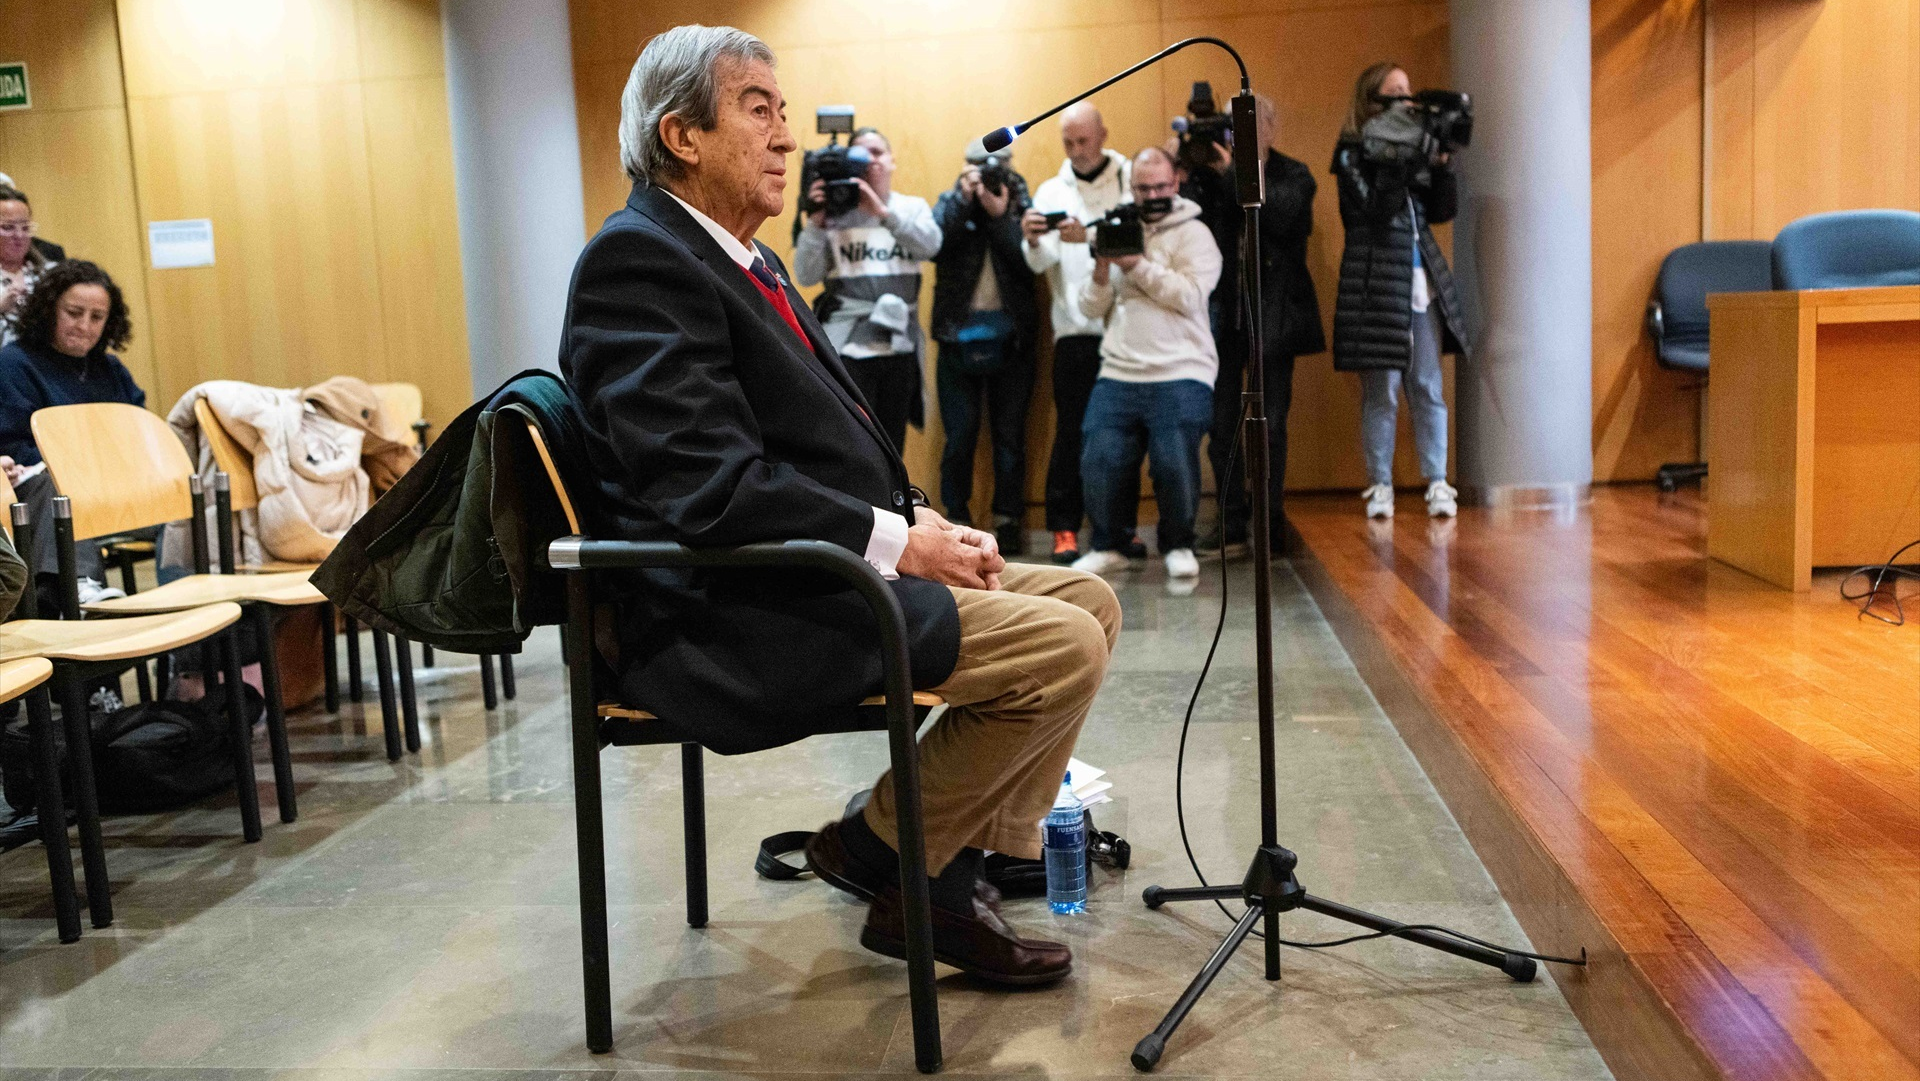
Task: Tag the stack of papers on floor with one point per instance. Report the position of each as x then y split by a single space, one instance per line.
1089 783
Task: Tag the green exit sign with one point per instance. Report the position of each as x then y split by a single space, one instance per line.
13 87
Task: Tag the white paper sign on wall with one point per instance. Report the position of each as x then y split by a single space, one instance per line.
184 243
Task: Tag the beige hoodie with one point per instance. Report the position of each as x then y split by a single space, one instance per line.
1156 313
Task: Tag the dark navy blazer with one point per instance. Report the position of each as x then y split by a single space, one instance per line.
710 423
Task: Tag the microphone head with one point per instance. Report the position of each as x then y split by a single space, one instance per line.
998 139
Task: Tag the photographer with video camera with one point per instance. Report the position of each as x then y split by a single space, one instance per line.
1092 181
986 319
1397 309
869 256
1154 266
1289 309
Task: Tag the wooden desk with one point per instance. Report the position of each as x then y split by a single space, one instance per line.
1814 428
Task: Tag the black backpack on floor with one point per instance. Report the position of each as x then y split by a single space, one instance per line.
146 758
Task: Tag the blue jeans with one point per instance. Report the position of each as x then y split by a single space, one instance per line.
1161 422
1380 405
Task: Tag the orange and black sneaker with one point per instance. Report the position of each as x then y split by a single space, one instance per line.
1066 546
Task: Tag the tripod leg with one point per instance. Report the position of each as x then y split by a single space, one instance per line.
1146 1053
1155 896
1521 969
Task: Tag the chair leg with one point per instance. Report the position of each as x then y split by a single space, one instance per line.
262 622
426 655
488 696
507 690
588 825
143 682
409 702
693 794
356 691
329 661
86 801
127 583
911 830
389 712
245 783
52 806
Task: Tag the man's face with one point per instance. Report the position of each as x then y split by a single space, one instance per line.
79 316
1153 178
744 157
880 173
1084 138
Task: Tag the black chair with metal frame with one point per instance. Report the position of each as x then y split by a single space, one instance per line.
597 724
1677 317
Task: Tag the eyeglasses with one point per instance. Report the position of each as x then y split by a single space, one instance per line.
16 228
1148 191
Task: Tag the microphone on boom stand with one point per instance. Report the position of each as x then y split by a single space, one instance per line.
1270 886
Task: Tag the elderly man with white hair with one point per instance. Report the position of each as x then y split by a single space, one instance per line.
719 413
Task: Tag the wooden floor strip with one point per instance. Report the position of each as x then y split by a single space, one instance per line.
1718 779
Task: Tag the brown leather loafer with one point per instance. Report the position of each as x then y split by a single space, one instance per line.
827 858
979 943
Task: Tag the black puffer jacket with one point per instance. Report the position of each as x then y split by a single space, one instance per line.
1373 313
968 239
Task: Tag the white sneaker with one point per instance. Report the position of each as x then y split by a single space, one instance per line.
93 591
1182 564
1379 501
1102 562
1443 501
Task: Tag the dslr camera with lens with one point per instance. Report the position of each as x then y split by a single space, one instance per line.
1203 128
1426 127
838 165
1123 232
995 174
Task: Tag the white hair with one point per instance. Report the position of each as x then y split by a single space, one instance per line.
677 74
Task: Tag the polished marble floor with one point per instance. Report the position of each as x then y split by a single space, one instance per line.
418 920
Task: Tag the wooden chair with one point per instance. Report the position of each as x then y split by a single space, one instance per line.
236 466
76 652
404 411
123 468
598 724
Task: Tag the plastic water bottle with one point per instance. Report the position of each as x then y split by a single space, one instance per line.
1065 841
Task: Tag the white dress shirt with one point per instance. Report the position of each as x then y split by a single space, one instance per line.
888 541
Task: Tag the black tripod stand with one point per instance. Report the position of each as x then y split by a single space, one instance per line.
1270 887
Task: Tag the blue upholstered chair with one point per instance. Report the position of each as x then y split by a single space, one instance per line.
1677 314
1850 249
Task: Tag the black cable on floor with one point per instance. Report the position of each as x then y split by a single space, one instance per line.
1180 772
1881 572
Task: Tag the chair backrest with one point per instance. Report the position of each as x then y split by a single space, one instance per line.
400 405
230 456
1848 249
122 467
553 471
1691 271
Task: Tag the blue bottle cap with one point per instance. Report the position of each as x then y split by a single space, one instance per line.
1068 779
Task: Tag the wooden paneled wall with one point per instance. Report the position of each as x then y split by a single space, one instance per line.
934 75
1809 106
1814 106
70 152
314 134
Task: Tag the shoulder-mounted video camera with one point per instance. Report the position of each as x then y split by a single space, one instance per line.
1421 129
838 165
1203 128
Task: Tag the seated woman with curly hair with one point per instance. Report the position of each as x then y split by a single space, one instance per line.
67 328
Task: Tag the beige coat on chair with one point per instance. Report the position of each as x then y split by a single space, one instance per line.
306 466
